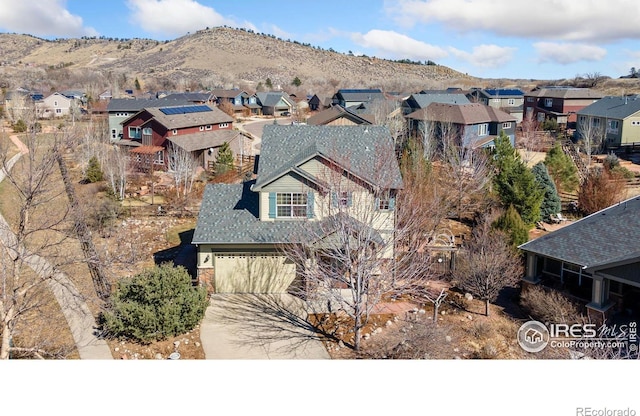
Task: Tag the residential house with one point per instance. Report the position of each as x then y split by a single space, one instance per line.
105 95
241 101
617 120
355 97
473 125
58 105
319 102
21 100
559 103
199 129
339 116
596 259
307 177
193 97
422 100
509 100
120 109
275 103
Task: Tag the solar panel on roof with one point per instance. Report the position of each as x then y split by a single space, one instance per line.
185 110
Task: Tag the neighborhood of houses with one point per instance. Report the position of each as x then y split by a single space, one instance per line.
330 153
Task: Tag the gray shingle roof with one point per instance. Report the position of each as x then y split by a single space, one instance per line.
178 121
229 215
604 238
271 99
132 104
365 151
423 100
613 107
566 93
465 114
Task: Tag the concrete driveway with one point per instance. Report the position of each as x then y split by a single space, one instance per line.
261 327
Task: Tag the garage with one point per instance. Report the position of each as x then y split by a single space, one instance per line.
252 273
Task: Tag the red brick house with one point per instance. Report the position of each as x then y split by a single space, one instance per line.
198 129
559 103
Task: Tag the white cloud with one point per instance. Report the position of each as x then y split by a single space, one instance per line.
568 53
569 20
177 17
389 44
42 18
486 56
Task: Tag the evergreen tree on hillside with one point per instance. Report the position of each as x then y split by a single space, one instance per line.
512 225
514 183
551 203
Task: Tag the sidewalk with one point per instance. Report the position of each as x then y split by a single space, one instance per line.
78 315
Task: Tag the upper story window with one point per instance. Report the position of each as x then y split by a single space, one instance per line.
613 126
483 129
531 100
207 127
201 128
385 202
134 132
506 125
147 131
548 102
341 199
511 102
635 123
174 132
55 103
291 205
223 125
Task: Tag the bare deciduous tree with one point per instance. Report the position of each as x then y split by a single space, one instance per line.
488 264
591 133
182 166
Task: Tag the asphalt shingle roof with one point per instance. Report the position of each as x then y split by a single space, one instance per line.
613 107
566 93
203 140
465 114
606 237
423 100
183 120
132 104
366 151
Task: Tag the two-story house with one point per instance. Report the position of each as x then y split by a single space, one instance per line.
307 177
198 129
339 116
422 100
241 101
472 125
120 109
559 103
355 97
275 103
509 100
617 119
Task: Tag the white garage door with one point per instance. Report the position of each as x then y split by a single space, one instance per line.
245 273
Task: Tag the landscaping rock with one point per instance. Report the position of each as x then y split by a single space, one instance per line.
468 296
448 338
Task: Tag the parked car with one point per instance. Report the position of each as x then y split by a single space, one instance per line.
285 114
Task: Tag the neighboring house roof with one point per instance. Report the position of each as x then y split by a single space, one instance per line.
365 151
203 140
220 93
606 238
423 100
613 107
360 94
465 114
129 104
566 93
271 99
334 113
195 97
502 93
179 117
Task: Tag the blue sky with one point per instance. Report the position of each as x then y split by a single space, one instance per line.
541 39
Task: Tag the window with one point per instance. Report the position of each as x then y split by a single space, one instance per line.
506 125
207 127
159 158
635 123
613 126
385 202
134 132
291 205
511 102
483 129
114 133
147 131
58 110
223 125
548 102
531 100
201 128
55 103
595 122
174 132
496 100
